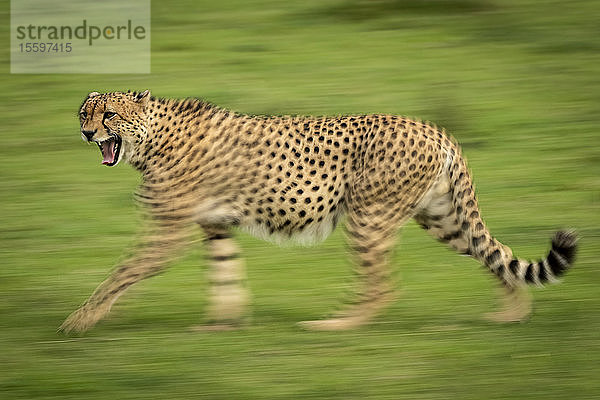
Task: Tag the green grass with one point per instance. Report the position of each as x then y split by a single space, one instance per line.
516 82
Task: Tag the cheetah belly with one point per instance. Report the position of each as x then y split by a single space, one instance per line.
307 228
296 231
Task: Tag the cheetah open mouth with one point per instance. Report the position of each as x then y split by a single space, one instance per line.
110 149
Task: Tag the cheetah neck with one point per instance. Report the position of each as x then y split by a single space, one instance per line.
174 128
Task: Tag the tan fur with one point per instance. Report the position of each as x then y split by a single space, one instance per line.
291 178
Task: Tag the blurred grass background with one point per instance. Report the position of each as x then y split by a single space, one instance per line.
515 81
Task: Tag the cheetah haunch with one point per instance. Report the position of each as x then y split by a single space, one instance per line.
293 178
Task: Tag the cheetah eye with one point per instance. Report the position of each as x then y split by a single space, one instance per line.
109 115
83 114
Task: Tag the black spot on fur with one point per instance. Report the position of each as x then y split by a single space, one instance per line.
542 275
493 258
219 236
451 236
225 257
478 240
514 266
500 270
529 274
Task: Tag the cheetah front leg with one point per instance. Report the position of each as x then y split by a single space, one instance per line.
228 294
152 255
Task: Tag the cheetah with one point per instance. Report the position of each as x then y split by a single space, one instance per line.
293 178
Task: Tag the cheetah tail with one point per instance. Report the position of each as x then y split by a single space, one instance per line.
559 259
493 254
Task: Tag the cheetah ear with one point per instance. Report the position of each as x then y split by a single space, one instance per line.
143 97
92 94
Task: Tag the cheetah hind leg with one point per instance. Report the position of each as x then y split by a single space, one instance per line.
515 305
370 242
440 219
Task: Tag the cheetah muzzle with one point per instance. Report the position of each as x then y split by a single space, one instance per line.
110 149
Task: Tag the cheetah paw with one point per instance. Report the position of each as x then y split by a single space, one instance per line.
333 324
80 321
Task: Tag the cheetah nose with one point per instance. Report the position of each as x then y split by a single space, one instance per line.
89 134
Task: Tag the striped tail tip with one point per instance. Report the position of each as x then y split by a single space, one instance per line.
562 255
559 259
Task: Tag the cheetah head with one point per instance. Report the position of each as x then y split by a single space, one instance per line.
117 122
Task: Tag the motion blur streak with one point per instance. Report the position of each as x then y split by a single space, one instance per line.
514 81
